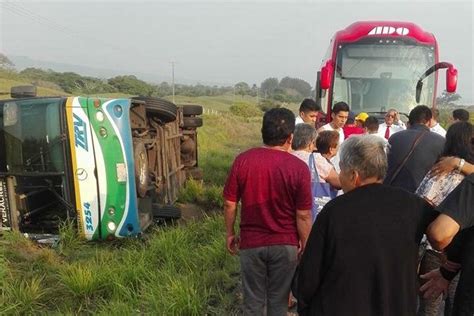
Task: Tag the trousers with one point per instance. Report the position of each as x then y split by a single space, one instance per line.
266 278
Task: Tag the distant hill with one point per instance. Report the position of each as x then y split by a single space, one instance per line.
22 62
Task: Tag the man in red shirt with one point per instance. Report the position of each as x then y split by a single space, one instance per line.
274 188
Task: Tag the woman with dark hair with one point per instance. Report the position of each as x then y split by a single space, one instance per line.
434 188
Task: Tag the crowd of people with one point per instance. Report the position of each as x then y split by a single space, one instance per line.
356 217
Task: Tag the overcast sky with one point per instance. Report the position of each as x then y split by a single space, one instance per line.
218 42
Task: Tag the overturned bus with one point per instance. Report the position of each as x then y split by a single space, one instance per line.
111 165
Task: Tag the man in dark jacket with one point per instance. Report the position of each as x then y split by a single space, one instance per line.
413 152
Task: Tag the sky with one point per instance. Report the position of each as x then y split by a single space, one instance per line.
218 42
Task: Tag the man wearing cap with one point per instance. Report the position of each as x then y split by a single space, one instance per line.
360 119
392 124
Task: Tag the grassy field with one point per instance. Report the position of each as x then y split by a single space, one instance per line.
166 273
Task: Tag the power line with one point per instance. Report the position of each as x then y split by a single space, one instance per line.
21 11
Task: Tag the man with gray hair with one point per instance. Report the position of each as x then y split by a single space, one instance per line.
361 256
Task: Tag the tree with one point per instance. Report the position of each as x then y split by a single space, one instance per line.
131 85
447 98
6 63
242 88
303 88
269 85
254 90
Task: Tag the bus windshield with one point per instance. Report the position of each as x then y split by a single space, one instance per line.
377 76
30 136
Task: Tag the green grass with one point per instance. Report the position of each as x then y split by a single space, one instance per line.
221 139
220 103
165 274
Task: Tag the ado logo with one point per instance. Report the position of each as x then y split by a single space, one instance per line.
387 30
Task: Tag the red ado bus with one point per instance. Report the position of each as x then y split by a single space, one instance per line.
375 66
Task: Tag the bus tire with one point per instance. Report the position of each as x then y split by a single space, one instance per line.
192 122
165 110
192 109
167 212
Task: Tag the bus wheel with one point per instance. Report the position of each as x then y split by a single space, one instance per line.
192 109
166 212
165 110
189 122
142 177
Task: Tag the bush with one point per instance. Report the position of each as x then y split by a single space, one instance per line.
245 110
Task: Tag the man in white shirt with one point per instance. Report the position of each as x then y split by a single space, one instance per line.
434 124
308 112
339 115
392 124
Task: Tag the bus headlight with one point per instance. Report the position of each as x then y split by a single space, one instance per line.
111 227
99 116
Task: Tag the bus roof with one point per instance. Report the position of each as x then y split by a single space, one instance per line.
391 29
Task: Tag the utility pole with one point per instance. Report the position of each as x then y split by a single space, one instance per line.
172 78
233 98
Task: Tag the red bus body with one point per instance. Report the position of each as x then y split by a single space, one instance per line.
375 66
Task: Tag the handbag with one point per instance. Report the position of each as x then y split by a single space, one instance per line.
322 192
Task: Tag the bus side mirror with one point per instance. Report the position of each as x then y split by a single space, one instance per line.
451 79
327 72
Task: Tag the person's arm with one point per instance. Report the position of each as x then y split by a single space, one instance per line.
442 231
398 122
304 201
303 225
230 214
447 164
333 179
437 281
457 213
